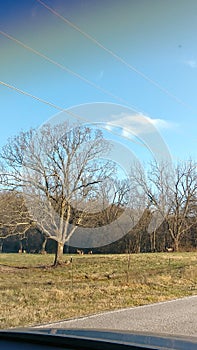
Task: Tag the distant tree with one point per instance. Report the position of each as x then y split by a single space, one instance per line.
171 193
14 216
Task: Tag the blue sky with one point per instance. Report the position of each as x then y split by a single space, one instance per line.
157 38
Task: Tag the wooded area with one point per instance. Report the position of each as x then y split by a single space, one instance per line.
59 180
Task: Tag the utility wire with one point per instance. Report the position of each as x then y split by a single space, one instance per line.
22 92
76 116
77 75
114 55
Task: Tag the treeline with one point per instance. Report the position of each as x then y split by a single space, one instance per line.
58 183
138 240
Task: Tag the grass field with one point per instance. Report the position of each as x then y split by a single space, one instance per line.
32 292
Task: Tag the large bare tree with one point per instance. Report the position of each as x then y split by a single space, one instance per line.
60 171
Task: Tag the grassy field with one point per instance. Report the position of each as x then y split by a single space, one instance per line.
32 292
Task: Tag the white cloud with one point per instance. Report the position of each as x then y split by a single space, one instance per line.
129 125
160 123
191 63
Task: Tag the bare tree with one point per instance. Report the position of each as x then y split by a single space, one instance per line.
183 202
14 216
114 199
171 194
60 170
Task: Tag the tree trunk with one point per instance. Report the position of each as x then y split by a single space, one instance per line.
176 244
153 241
1 245
43 250
59 253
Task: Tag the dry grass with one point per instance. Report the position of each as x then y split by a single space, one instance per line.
32 292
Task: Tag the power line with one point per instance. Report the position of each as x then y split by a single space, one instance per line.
12 87
53 105
113 54
68 70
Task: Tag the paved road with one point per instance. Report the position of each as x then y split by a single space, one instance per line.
171 317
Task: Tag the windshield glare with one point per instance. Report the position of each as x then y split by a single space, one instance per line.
98 179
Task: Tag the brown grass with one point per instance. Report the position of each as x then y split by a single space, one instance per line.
32 292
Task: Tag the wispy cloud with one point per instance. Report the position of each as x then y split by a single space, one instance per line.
100 75
191 63
137 125
161 123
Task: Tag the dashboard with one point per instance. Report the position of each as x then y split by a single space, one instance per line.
41 339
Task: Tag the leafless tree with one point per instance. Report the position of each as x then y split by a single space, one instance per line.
14 216
60 170
171 194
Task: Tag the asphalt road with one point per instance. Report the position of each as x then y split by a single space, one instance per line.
178 317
